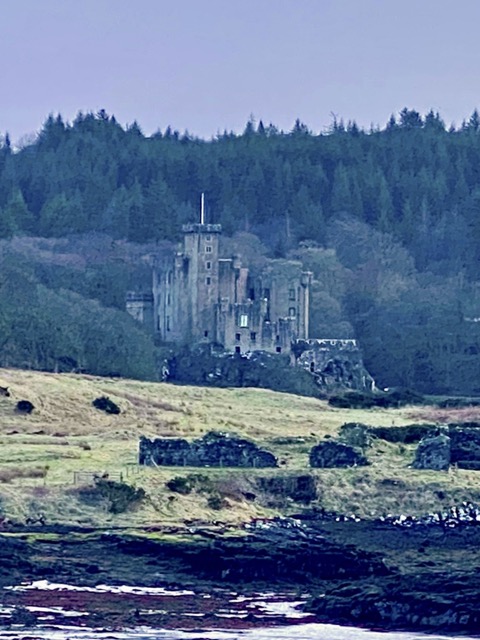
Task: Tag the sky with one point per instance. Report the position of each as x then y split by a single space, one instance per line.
209 65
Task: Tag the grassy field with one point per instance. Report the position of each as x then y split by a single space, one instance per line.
39 453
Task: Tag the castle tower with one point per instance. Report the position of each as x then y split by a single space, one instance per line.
202 286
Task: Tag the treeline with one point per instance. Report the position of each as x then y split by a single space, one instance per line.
388 219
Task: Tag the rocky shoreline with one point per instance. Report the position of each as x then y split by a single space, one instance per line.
367 574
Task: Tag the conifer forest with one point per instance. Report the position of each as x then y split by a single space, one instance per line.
387 219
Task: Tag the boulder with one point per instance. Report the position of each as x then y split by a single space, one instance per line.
331 454
433 452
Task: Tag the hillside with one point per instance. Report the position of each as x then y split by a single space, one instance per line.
65 434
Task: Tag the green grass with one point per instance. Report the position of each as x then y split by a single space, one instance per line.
66 434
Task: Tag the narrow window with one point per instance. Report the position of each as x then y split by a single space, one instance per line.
237 349
159 327
251 294
208 238
169 277
291 294
291 312
279 349
253 336
244 320
209 265
208 280
237 337
208 249
168 323
266 294
312 366
277 338
205 334
169 300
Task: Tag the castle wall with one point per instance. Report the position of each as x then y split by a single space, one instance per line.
198 296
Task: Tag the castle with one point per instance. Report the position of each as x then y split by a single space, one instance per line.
198 296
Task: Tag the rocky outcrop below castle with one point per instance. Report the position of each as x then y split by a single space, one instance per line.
213 450
336 365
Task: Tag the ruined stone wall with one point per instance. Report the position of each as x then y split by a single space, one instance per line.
213 450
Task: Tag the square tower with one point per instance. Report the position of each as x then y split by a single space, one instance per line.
201 247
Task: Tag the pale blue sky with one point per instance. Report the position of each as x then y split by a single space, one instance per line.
206 65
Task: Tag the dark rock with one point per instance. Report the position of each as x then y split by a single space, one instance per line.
465 446
332 454
433 452
213 450
105 404
25 406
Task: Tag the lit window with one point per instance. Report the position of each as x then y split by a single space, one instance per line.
292 312
244 320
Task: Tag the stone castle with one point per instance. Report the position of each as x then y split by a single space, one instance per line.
198 296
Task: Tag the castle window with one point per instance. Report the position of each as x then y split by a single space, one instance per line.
169 277
237 349
266 294
205 334
292 312
278 349
208 249
237 337
208 280
291 294
253 336
169 299
312 367
244 320
277 338
168 323
209 265
251 294
208 238
159 327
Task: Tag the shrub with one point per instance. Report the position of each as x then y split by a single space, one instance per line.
216 502
25 406
409 434
186 484
120 496
105 404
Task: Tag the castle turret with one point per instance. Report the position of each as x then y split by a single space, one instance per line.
202 287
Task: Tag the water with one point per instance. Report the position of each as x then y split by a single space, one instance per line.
295 632
57 604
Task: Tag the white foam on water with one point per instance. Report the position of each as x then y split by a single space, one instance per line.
45 585
311 631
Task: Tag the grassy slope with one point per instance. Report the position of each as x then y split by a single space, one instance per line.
67 434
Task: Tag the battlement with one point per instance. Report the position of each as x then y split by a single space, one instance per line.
138 296
330 342
197 227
